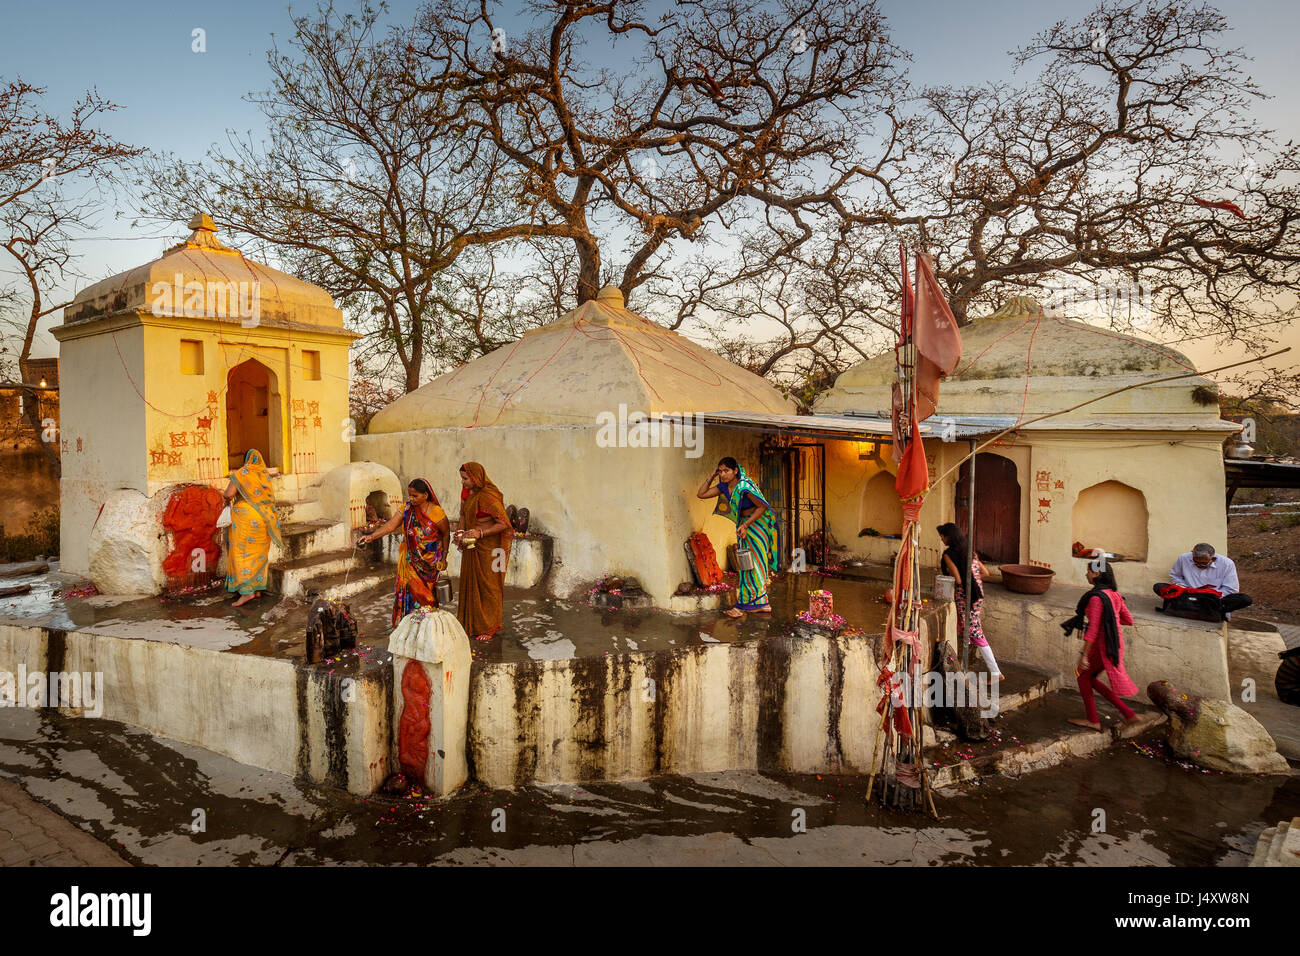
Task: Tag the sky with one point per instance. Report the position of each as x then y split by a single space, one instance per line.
139 54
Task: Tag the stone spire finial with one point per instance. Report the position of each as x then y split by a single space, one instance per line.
612 296
204 235
1018 307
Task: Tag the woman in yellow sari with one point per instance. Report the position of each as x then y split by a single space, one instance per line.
253 526
483 521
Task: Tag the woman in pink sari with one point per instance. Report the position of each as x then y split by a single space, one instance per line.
1103 649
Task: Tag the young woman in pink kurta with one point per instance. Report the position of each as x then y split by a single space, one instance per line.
1098 657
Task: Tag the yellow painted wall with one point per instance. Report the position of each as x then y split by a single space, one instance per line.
187 414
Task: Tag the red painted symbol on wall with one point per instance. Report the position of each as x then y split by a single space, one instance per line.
1059 485
157 456
1044 502
203 423
313 408
180 439
1043 480
1044 516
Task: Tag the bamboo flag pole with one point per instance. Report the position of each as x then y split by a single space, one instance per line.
1063 411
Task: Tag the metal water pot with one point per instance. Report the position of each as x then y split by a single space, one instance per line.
443 589
945 587
744 559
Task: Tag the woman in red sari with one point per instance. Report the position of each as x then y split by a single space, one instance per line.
423 554
484 537
1103 649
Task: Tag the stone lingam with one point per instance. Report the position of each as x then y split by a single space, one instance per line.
1216 733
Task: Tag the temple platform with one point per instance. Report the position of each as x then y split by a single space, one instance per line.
569 692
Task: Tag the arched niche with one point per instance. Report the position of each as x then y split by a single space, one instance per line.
1113 516
881 508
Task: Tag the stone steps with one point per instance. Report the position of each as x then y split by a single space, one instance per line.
341 585
1279 845
304 538
1031 732
292 511
288 576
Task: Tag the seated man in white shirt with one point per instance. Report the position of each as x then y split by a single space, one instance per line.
1197 570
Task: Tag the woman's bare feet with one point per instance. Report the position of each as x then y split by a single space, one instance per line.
734 612
1132 721
245 599
765 609
1081 722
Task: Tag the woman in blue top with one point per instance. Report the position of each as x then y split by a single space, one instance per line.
740 500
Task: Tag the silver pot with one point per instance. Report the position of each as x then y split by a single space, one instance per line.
443 588
744 559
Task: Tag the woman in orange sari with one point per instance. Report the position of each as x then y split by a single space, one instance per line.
254 524
484 538
423 553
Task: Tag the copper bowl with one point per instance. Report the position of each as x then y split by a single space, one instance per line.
1027 578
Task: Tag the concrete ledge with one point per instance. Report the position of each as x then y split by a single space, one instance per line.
328 725
793 704
1027 628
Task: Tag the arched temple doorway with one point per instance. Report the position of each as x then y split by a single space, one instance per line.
997 500
253 414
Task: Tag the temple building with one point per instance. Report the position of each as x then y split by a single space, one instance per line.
171 372
588 422
1140 473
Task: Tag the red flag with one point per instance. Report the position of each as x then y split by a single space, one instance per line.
913 477
1231 207
934 328
927 387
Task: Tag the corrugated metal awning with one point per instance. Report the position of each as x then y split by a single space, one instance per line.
861 426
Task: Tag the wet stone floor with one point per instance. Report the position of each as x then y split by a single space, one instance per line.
160 802
537 626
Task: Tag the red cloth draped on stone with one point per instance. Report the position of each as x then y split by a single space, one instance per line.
191 517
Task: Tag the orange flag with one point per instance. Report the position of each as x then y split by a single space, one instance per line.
935 334
913 473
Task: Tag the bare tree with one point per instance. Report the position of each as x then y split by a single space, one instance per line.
49 171
1120 162
723 111
361 187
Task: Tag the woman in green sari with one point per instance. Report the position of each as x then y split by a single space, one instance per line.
740 500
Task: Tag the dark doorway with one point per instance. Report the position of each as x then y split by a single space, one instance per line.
997 515
793 477
251 420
